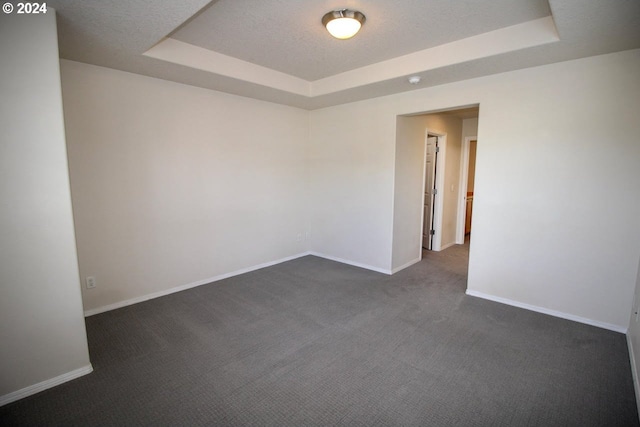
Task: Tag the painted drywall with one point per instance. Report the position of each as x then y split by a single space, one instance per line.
173 185
41 323
542 233
408 185
408 190
351 173
556 191
633 337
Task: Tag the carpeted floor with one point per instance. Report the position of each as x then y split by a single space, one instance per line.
312 342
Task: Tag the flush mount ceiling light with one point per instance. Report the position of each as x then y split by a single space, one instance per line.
343 24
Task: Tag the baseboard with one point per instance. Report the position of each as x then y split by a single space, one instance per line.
403 266
634 373
165 292
448 245
44 385
543 310
353 263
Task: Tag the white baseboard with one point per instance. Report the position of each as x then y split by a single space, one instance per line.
353 263
41 386
634 372
448 245
403 266
543 310
147 297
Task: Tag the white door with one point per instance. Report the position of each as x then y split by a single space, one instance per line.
429 192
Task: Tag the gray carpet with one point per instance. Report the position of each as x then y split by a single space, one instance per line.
312 342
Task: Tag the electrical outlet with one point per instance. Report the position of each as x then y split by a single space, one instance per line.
90 282
299 237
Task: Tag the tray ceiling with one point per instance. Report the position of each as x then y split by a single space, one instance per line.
278 50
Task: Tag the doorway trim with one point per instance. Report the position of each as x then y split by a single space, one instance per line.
436 244
462 195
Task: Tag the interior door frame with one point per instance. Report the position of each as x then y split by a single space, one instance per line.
462 195
436 244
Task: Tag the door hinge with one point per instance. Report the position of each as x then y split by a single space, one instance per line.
437 149
435 191
432 232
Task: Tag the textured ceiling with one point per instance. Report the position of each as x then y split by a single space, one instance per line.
277 50
287 35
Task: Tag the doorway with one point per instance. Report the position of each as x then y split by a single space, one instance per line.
470 182
427 186
435 150
430 191
467 186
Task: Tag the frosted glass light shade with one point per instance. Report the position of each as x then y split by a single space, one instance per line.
343 24
343 28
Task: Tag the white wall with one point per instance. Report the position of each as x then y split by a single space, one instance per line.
556 193
633 337
408 190
41 324
351 172
173 185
